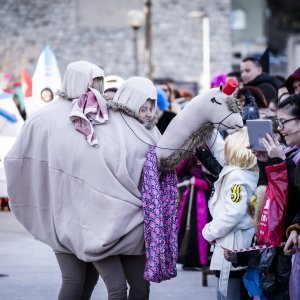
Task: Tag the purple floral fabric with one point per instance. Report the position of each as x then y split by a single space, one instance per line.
159 198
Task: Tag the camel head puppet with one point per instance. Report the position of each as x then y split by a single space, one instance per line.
193 126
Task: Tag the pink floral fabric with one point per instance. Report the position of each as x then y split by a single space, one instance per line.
159 198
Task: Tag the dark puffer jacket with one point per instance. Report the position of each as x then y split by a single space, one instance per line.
267 84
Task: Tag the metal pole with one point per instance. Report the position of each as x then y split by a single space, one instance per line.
188 222
135 50
148 5
206 52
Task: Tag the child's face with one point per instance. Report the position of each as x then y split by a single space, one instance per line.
146 111
46 95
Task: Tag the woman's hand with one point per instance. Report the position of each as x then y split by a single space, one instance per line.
274 149
227 255
292 244
261 155
230 256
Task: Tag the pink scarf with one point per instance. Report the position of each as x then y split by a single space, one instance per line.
89 110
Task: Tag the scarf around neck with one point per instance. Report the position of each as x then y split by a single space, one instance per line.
88 111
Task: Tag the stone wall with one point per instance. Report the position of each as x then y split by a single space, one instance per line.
28 25
178 38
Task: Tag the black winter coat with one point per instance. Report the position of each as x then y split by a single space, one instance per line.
267 84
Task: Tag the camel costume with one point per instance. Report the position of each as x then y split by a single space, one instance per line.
83 196
75 197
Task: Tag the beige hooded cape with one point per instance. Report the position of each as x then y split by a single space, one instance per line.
78 198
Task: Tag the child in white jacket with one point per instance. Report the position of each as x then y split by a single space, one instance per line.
231 226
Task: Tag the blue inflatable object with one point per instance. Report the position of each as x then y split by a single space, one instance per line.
8 116
162 99
4 95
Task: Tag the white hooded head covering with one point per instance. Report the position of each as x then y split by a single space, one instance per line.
78 78
112 82
77 198
132 94
90 109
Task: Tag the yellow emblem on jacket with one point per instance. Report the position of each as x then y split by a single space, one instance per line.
236 193
253 200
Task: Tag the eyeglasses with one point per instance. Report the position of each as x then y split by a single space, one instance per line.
281 122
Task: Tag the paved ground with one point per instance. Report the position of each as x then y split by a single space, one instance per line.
34 273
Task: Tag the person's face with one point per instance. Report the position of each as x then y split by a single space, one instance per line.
296 86
290 127
46 95
97 83
146 111
249 71
109 95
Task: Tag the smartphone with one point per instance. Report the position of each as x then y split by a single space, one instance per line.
257 130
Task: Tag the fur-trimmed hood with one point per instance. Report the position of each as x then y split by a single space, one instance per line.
188 149
131 95
130 112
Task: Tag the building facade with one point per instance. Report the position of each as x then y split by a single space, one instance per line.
98 31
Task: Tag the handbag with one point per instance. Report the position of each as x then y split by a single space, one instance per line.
272 216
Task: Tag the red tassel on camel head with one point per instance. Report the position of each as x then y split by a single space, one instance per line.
230 86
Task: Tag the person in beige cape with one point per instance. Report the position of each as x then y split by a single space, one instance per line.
32 171
79 190
82 199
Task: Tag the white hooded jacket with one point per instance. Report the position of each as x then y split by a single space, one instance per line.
231 225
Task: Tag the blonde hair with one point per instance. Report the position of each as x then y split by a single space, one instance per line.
236 152
258 206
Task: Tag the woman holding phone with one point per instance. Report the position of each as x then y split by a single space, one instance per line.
289 121
288 124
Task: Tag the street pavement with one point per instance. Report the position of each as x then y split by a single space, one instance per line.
33 273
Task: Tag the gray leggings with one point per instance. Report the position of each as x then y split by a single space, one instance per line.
117 270
78 277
